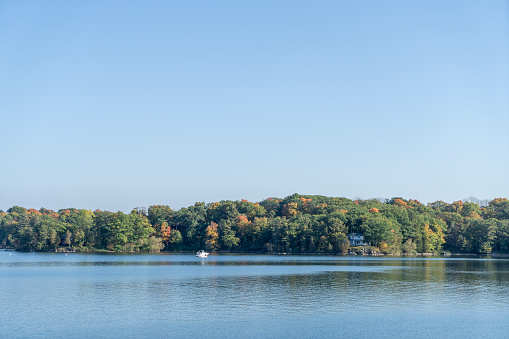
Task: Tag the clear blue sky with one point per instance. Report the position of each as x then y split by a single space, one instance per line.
119 104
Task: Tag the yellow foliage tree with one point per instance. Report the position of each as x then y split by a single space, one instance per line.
211 237
290 209
383 246
243 225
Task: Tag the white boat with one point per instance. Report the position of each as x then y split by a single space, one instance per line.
202 254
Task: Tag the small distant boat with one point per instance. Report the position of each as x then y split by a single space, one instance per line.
202 254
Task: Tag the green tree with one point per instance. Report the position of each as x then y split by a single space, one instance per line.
191 222
158 214
228 238
68 237
154 244
175 242
499 208
377 229
502 236
479 235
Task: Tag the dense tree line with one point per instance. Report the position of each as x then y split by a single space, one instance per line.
295 224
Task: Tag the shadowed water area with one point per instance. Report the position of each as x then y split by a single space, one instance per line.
252 296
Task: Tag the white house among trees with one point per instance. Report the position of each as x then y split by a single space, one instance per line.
357 239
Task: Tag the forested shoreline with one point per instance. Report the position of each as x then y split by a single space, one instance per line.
295 224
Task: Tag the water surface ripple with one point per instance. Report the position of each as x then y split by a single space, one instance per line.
253 296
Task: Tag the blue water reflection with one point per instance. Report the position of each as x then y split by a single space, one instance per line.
253 296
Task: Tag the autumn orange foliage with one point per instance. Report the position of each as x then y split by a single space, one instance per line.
165 232
399 202
33 211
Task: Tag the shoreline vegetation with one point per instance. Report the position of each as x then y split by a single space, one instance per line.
297 224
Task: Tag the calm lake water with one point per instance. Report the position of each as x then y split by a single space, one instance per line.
251 296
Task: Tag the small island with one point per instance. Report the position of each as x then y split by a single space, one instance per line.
309 224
